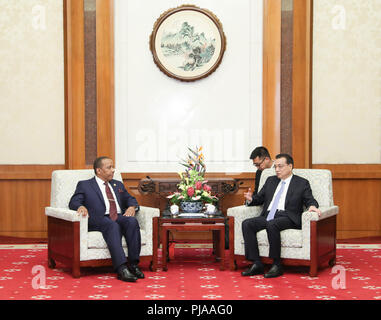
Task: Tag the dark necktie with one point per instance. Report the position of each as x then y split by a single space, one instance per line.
110 197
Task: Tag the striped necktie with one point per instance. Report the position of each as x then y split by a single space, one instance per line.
110 197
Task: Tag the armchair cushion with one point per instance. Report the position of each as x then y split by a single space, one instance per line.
291 238
95 240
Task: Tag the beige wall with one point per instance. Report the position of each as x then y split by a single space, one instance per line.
347 81
31 82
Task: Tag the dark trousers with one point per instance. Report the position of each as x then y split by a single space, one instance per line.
113 231
251 226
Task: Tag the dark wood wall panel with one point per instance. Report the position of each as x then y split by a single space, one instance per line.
90 62
287 24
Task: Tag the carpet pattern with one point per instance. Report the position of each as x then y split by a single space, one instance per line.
193 274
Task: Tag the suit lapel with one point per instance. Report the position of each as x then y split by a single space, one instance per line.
98 191
274 186
289 191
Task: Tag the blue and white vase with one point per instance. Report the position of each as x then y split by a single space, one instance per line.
191 206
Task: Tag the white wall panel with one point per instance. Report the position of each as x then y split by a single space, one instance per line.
158 117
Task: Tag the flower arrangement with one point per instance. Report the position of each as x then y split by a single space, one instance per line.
193 186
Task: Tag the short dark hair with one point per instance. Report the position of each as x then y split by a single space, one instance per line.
98 163
260 152
289 159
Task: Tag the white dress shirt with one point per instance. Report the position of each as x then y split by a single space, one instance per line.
102 186
282 199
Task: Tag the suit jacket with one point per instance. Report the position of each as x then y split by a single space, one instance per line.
89 195
258 174
299 193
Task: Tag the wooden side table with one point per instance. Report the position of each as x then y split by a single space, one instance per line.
218 228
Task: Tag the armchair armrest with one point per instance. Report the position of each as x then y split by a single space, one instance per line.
308 216
72 216
145 218
326 212
63 214
241 213
244 212
145 215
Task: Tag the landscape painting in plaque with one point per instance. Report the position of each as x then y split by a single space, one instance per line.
187 43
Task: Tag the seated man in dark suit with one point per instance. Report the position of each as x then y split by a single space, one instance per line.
111 210
261 160
282 197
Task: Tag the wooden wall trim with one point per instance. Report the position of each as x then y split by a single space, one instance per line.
271 75
352 171
74 83
105 78
302 84
28 172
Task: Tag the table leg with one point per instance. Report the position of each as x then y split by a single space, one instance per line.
164 239
216 241
155 243
232 262
168 245
222 249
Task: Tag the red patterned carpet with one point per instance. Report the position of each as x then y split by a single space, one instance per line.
193 274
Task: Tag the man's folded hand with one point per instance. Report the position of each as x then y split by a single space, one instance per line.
83 211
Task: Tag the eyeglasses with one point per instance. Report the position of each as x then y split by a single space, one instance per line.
258 164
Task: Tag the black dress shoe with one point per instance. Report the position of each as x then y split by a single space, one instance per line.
134 269
126 275
253 270
275 271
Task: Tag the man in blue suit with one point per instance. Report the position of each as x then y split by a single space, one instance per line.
111 210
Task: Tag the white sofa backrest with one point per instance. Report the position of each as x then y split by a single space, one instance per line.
320 181
64 183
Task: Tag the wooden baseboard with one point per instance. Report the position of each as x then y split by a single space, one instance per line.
25 234
352 234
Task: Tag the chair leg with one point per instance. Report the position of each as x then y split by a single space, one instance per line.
51 263
153 266
76 271
233 264
313 270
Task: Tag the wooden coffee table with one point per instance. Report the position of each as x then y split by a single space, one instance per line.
215 224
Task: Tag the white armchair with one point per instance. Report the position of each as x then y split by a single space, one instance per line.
69 240
313 245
